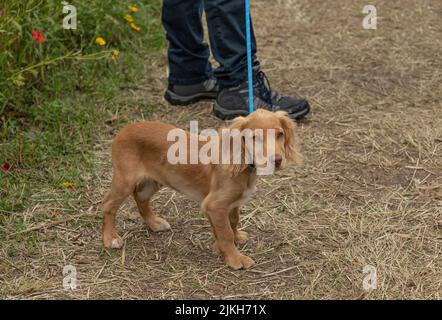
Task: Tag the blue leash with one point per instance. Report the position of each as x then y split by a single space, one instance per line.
249 56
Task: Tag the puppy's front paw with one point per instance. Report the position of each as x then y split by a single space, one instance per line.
241 237
113 241
239 261
157 224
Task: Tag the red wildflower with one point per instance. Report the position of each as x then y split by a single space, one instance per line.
38 36
6 167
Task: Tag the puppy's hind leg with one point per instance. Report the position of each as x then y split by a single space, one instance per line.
120 190
144 191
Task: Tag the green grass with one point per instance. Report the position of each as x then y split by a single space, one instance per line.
49 123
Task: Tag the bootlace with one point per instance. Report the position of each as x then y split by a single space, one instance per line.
264 89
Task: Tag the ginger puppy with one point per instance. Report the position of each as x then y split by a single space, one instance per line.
141 167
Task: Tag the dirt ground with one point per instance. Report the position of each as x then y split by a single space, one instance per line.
369 192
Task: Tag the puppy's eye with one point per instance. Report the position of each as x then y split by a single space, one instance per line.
280 135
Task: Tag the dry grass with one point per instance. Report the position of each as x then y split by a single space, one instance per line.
370 191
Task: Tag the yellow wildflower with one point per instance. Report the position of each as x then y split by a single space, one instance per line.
100 41
133 8
115 53
69 185
129 18
135 27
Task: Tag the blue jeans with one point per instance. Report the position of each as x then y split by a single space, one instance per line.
189 55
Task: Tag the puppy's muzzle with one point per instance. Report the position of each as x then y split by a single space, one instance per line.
276 160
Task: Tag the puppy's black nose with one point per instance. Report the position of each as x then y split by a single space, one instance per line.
276 160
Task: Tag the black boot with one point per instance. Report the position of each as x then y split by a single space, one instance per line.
233 102
187 94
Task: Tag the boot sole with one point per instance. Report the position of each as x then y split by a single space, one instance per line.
177 100
227 114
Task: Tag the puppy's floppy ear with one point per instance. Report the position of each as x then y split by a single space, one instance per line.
291 144
234 167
